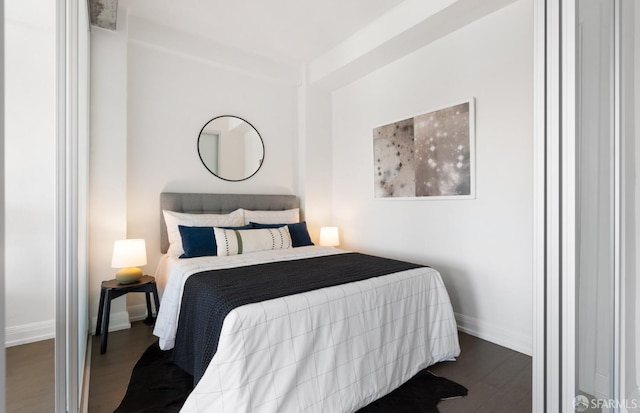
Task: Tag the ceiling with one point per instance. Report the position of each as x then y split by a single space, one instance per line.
292 30
336 41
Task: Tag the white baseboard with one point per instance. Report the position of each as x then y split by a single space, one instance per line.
117 321
123 320
138 312
86 378
29 333
501 336
602 386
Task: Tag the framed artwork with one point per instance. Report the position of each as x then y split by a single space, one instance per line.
429 156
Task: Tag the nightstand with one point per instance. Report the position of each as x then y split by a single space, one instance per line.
112 289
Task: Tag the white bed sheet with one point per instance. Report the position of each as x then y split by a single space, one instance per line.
334 349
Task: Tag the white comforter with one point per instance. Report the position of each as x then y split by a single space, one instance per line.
330 350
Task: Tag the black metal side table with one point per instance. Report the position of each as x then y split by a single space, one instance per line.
113 289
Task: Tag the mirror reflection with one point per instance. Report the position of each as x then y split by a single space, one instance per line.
230 148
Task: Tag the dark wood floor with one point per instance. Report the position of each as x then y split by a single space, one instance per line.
498 379
110 372
30 377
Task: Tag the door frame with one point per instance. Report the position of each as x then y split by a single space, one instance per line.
554 255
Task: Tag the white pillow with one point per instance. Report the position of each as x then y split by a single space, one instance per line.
242 241
173 219
288 216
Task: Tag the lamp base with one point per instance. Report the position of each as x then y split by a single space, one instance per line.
128 275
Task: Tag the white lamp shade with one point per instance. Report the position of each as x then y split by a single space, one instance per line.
329 236
129 253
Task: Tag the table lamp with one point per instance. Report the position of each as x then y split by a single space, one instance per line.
128 255
329 236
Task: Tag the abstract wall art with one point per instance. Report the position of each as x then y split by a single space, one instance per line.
427 156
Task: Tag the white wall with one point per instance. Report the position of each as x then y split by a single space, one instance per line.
29 163
169 96
108 166
482 247
314 173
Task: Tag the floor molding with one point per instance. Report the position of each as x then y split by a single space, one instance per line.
496 334
138 312
29 333
86 378
117 321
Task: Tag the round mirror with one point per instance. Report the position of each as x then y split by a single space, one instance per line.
230 148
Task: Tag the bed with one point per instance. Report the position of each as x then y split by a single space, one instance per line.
348 330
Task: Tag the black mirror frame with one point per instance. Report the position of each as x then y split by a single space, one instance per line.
215 174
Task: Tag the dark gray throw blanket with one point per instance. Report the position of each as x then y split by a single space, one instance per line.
210 295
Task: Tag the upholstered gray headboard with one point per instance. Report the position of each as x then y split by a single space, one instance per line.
218 204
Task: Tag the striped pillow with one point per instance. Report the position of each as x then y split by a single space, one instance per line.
242 241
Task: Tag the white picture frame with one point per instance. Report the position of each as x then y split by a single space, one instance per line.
430 156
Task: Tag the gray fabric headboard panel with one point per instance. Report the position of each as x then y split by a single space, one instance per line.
218 204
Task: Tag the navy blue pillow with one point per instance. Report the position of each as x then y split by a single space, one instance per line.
200 241
299 234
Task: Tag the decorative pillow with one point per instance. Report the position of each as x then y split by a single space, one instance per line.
288 216
200 241
173 219
242 241
299 233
